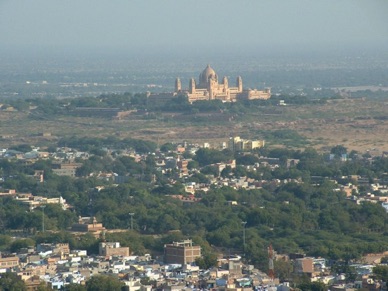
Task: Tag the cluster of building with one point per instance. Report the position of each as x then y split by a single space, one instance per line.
318 270
61 153
209 88
64 164
33 202
56 265
352 193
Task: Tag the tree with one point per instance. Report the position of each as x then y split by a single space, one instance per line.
87 242
226 172
338 150
5 241
192 165
240 171
147 281
384 260
11 282
211 156
75 287
283 269
207 261
22 148
350 272
104 283
210 170
312 286
381 272
247 160
167 147
44 287
198 178
21 243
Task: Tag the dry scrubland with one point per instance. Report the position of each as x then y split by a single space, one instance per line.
358 124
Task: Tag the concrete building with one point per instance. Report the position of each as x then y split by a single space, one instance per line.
108 249
55 248
183 252
34 202
88 224
304 266
9 262
39 176
209 88
238 144
182 166
66 169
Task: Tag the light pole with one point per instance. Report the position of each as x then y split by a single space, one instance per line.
43 207
131 215
243 224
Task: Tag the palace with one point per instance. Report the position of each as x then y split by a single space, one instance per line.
209 88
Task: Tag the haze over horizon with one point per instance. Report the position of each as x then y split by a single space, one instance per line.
172 27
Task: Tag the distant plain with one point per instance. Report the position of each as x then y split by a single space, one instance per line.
359 122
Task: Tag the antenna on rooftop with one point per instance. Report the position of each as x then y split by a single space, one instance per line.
271 268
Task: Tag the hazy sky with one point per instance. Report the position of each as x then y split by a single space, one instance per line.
204 25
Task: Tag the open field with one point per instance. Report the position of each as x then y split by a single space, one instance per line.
355 123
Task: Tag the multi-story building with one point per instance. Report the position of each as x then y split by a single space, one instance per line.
209 88
183 252
108 249
238 144
182 166
55 248
88 224
304 266
38 201
66 169
9 262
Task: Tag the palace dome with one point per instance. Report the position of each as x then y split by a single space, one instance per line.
207 73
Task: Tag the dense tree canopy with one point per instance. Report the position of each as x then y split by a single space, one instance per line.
103 283
210 156
381 272
299 216
11 282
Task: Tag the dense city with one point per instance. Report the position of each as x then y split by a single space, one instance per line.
58 237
